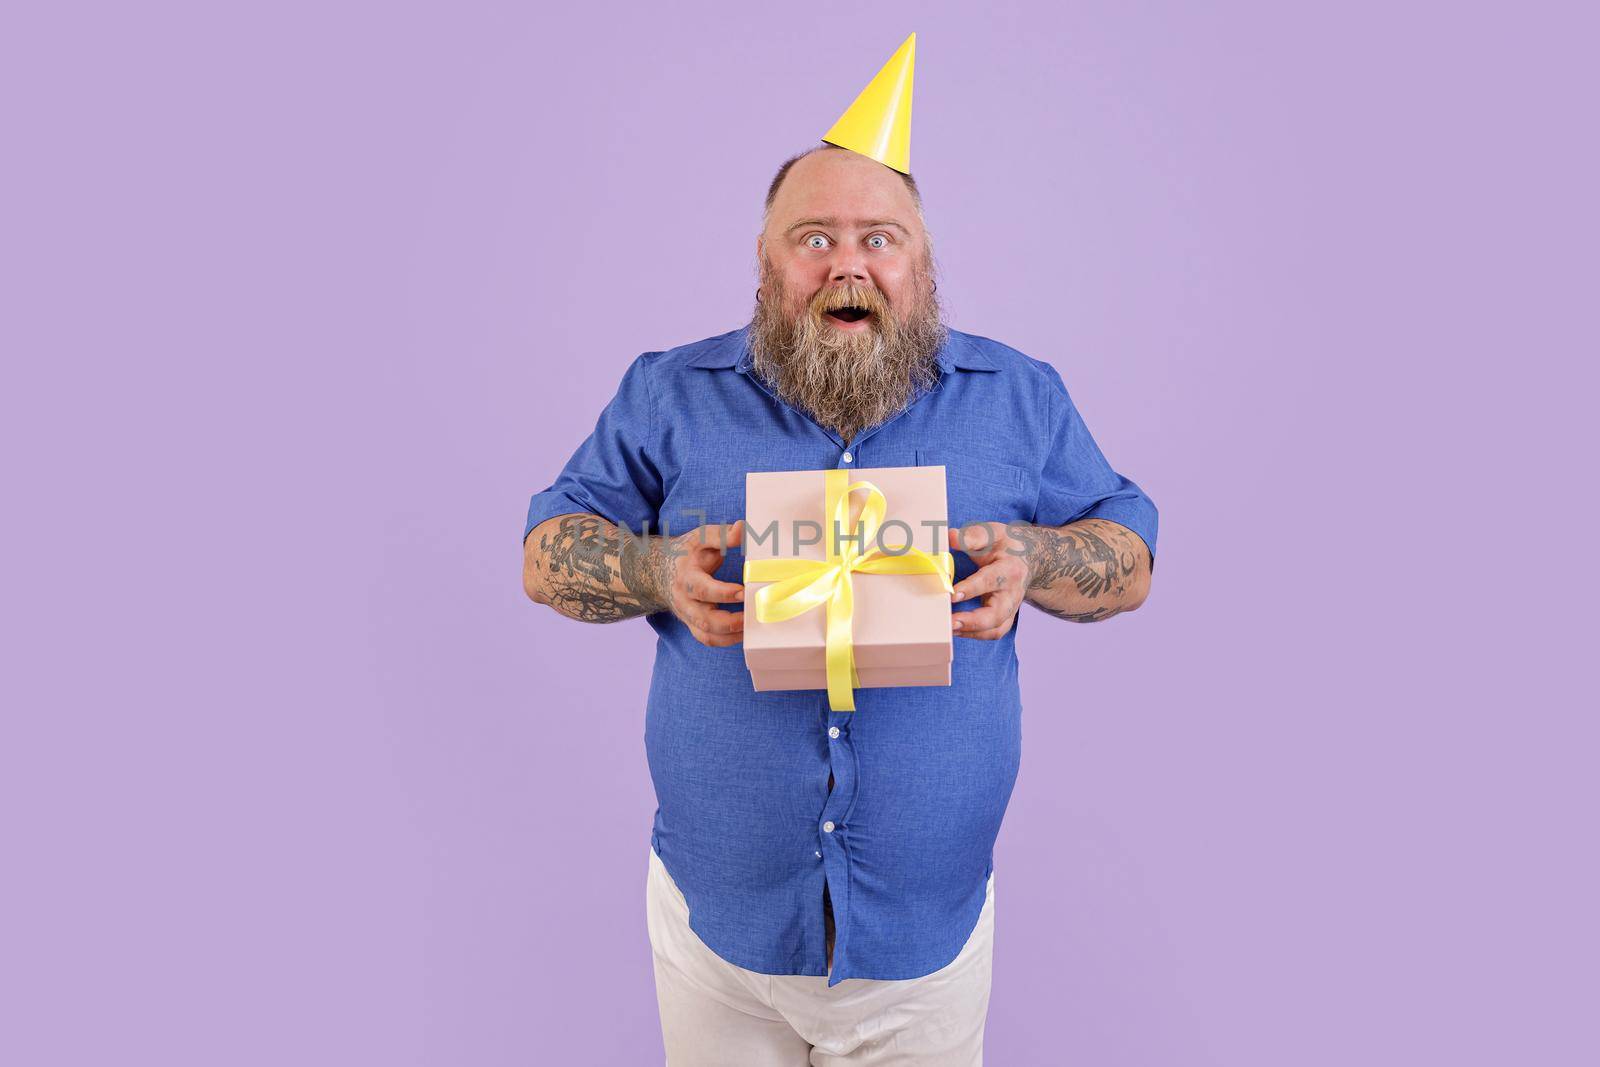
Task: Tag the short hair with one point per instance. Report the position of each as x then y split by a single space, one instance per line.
783 172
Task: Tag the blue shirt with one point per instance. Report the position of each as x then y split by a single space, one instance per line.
745 823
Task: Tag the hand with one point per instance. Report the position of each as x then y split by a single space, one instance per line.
1001 579
692 594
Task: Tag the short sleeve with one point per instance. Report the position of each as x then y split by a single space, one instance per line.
614 473
1077 482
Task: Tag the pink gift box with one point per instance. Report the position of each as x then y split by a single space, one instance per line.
901 623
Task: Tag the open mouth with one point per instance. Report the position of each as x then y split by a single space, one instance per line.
849 314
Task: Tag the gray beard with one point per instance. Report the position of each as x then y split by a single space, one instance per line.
846 381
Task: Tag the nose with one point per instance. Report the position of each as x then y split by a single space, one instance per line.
848 266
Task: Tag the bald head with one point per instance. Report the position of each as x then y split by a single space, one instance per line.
830 160
788 165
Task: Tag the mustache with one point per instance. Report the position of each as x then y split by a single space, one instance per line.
868 298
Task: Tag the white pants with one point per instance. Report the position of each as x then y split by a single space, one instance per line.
715 1014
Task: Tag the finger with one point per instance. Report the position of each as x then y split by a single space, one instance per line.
709 616
979 540
990 616
987 635
990 578
713 620
699 585
715 640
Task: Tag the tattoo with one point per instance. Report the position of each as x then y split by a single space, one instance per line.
596 575
1082 616
647 570
1095 555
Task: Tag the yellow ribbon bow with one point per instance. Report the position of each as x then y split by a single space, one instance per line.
803 584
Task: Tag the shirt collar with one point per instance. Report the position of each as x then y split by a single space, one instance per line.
730 350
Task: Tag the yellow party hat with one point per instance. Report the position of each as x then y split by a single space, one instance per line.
878 124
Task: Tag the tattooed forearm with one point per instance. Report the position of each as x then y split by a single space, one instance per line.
1085 571
586 569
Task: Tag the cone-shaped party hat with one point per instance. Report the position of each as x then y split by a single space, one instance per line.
878 124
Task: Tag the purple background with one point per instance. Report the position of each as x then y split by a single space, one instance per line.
304 301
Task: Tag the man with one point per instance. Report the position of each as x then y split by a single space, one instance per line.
820 883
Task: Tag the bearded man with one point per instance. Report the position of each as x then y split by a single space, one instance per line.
820 883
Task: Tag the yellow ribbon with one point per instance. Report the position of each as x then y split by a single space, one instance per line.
802 584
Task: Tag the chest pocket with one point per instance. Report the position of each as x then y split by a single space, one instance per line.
705 491
982 486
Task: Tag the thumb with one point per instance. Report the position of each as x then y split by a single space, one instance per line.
717 538
977 540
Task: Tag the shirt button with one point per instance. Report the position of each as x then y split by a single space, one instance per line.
833 731
827 827
819 854
847 457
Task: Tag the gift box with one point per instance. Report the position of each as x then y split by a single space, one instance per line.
866 609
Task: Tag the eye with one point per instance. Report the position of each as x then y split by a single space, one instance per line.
816 240
878 240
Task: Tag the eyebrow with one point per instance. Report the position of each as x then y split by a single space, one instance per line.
834 223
